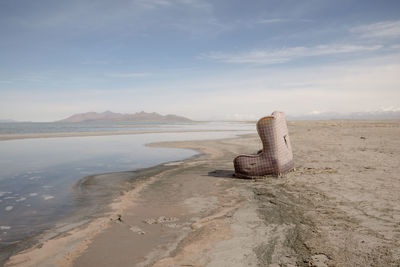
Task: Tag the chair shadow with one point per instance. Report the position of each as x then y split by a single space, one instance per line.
223 174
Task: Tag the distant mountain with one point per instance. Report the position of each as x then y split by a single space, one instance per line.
377 115
363 115
109 116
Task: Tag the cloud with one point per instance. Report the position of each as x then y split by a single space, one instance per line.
389 109
154 3
171 3
94 62
287 54
387 29
129 75
245 24
268 21
80 18
280 20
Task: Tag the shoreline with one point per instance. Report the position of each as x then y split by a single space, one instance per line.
339 207
7 137
101 188
14 136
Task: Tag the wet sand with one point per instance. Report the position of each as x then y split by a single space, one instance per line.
341 207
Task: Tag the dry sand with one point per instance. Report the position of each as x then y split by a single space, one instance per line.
341 207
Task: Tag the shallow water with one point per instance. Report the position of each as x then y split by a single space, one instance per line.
37 175
57 127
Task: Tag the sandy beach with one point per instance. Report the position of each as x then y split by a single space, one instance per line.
340 207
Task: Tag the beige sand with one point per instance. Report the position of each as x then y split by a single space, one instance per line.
341 207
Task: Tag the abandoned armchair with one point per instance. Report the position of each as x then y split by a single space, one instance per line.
276 156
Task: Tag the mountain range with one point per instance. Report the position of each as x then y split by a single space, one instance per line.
109 116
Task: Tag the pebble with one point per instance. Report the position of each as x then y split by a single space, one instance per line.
9 208
161 219
137 230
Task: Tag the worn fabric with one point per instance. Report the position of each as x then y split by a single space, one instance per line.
276 157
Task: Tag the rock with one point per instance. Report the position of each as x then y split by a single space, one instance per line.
137 230
319 260
116 218
161 219
150 221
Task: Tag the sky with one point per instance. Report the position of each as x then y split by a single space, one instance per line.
207 60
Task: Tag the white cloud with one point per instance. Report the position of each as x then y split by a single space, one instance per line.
389 29
241 24
94 62
129 75
390 109
287 54
314 112
134 17
268 21
170 3
154 3
280 20
199 4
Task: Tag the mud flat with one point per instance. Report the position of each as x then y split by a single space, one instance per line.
341 207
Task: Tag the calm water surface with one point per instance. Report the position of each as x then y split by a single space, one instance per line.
56 127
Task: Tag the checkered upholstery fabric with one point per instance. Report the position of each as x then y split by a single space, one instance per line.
276 157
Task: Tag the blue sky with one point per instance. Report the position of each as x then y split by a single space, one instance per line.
201 59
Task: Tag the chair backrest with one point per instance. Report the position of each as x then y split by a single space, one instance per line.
283 145
274 135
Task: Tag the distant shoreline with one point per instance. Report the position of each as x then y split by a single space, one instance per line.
7 137
17 136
